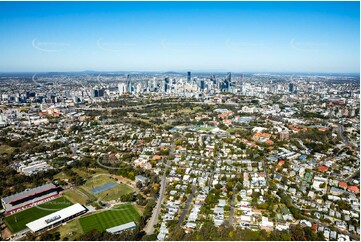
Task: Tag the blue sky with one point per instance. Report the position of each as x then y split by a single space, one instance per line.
180 36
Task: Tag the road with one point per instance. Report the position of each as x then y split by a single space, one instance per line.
341 133
231 212
210 183
340 130
188 204
353 175
149 228
265 172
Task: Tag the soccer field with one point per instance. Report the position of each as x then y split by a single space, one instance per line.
18 221
101 221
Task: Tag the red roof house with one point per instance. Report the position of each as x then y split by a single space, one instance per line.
354 189
322 168
342 185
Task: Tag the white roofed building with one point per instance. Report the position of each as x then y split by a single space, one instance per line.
121 228
57 218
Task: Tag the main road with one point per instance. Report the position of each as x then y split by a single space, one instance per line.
231 212
149 228
340 130
188 204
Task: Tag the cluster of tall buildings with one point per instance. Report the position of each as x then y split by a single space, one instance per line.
178 85
71 89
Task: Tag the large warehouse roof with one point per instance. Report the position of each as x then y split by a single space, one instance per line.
53 218
121 227
27 193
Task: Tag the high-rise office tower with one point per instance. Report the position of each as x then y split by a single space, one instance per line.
202 85
213 79
241 84
146 86
229 77
95 93
121 88
166 84
291 87
98 92
225 85
189 76
129 84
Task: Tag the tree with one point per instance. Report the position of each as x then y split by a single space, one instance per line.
50 236
177 233
343 205
139 184
297 233
151 237
30 236
127 197
218 186
280 236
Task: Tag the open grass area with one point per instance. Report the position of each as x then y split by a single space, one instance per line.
186 111
139 208
18 221
61 176
97 181
87 193
5 149
86 173
75 197
121 214
204 128
90 172
70 230
110 194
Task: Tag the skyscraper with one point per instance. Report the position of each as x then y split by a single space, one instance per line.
291 87
101 92
189 76
229 77
227 86
213 79
202 85
241 84
121 88
129 84
98 92
166 84
95 93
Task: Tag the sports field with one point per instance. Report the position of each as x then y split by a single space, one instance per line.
18 221
105 188
121 214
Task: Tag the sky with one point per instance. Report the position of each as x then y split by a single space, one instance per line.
180 36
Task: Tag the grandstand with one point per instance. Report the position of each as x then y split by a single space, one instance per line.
57 218
29 198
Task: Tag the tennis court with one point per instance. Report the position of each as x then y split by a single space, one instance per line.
104 187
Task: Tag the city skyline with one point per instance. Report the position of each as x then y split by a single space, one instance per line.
307 37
